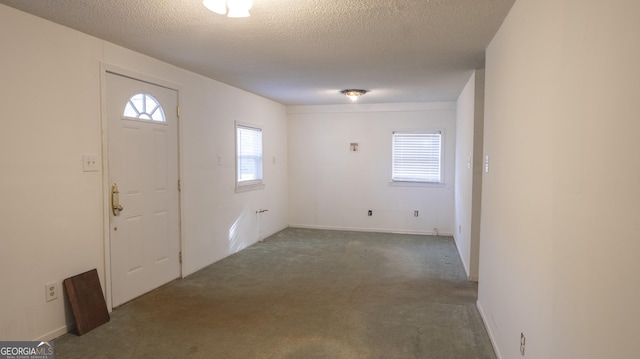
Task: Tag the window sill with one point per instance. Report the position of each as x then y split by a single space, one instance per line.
248 188
416 184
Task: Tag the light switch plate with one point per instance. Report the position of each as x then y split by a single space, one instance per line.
90 162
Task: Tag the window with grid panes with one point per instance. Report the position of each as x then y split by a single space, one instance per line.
248 157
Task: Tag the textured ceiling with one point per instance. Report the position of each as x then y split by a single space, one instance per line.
302 52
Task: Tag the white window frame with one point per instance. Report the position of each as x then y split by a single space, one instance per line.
399 180
253 184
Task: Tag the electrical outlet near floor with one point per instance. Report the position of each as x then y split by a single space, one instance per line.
51 291
523 341
370 213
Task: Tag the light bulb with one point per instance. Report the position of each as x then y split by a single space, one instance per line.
353 94
239 8
217 6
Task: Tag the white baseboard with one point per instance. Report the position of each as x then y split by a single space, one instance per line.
488 328
376 230
465 266
56 333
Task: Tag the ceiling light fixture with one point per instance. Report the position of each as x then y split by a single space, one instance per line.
231 8
353 94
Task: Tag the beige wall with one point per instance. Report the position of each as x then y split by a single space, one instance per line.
52 213
561 202
469 164
333 188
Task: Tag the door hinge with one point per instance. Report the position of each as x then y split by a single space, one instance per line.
178 111
180 257
179 186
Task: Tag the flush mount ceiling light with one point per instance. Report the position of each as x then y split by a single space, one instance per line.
353 94
231 8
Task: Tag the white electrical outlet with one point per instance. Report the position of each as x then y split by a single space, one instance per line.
51 291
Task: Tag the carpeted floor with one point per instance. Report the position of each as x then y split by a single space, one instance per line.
305 294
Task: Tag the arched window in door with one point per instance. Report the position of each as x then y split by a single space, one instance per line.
143 106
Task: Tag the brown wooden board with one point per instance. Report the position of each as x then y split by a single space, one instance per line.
87 301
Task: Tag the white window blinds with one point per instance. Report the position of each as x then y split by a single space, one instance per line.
417 156
249 155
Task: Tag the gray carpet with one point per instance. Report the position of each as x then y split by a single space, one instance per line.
305 294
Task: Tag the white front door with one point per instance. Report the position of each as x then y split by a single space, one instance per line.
143 165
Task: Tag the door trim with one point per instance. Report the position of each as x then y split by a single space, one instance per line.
106 186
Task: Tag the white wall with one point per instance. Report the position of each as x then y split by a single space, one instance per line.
51 211
561 202
329 187
51 218
469 164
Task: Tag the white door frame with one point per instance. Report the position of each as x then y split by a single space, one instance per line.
106 186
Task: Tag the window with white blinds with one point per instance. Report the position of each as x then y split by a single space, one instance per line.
417 156
249 157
